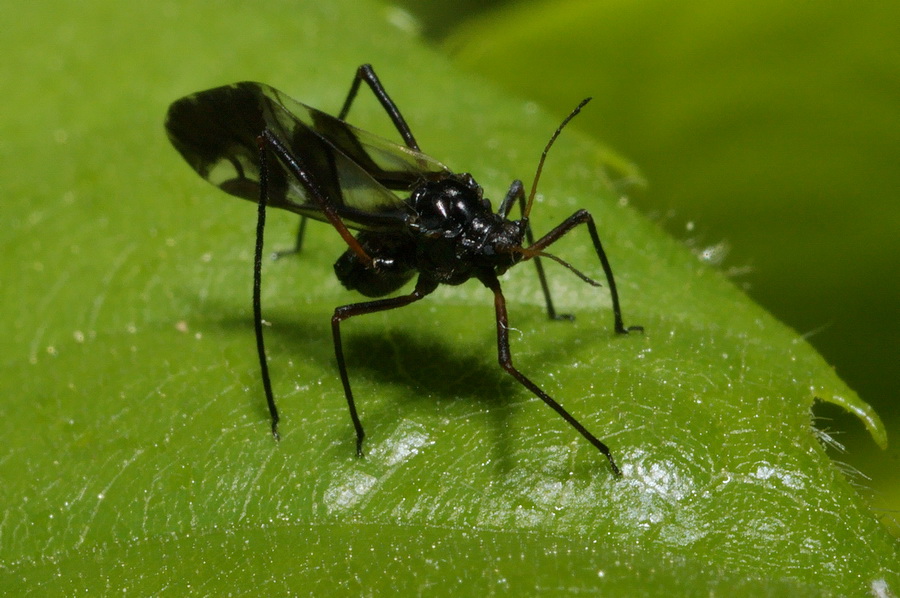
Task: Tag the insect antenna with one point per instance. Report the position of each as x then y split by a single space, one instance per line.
537 175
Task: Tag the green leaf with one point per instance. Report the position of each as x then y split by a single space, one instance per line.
137 455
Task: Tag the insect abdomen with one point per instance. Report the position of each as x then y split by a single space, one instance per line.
395 255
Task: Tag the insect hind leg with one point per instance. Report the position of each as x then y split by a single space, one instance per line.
366 73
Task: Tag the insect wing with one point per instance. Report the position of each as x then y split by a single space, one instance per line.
392 165
216 132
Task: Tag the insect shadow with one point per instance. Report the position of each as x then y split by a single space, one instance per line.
436 379
414 217
432 371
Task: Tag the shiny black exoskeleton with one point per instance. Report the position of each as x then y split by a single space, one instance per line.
451 236
413 215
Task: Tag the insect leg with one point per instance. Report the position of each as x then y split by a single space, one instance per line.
270 141
257 283
584 217
266 142
366 73
344 312
505 359
298 243
517 193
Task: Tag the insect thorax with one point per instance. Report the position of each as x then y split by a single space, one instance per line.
457 234
454 236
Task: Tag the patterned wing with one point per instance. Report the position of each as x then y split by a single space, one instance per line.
216 132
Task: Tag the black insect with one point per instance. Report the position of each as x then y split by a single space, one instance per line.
413 215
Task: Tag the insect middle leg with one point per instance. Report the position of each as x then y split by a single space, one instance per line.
268 141
344 312
505 358
298 241
584 217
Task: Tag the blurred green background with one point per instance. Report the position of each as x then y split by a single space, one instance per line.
768 137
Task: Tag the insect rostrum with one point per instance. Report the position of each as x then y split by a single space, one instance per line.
413 216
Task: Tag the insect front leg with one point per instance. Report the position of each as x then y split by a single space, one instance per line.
584 217
344 312
517 193
505 358
366 73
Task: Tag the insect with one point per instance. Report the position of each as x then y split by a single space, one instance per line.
414 217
